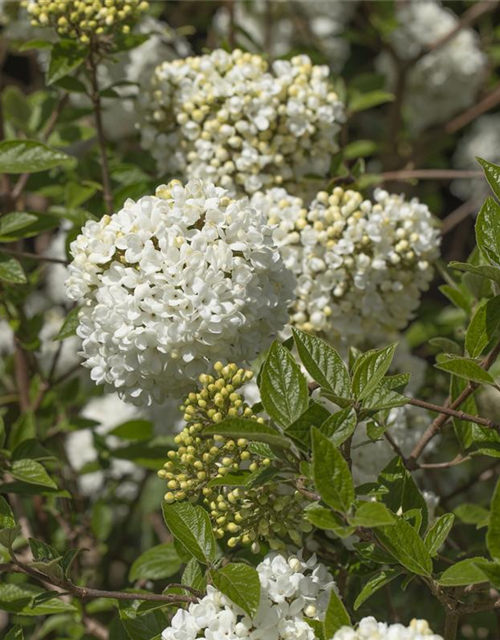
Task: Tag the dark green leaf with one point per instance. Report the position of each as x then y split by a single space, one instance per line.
15 221
31 472
192 528
241 584
340 426
69 326
134 430
300 430
402 492
283 386
483 327
493 533
370 368
11 269
484 270
336 616
438 533
374 584
193 576
7 520
67 55
471 513
323 364
29 156
16 633
249 429
492 175
156 563
465 368
488 232
404 543
331 474
363 101
373 514
462 573
325 518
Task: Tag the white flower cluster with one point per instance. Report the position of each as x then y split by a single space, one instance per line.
444 81
170 282
281 26
360 265
482 139
228 118
370 629
292 591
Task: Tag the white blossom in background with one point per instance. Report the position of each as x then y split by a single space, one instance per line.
231 119
292 591
360 265
445 81
481 139
283 26
370 629
169 283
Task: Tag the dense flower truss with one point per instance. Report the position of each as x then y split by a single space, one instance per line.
229 118
360 265
482 139
246 513
293 591
85 19
370 629
444 81
172 281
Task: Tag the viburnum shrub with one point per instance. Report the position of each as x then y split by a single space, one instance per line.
249 337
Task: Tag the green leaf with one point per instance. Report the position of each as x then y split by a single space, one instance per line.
484 270
156 563
402 492
323 364
483 327
488 232
383 397
67 55
372 514
241 584
493 533
142 626
7 520
35 44
8 536
42 551
491 571
69 326
363 101
340 426
249 429
438 533
331 474
101 521
134 430
11 269
471 513
359 149
374 584
191 526
16 633
193 576
446 345
324 518
283 387
17 598
462 573
459 296
370 368
404 543
31 472
336 616
465 368
29 156
39 223
492 175
300 430
15 221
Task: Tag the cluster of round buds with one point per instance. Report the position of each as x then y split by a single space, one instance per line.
369 628
231 119
243 514
360 265
86 19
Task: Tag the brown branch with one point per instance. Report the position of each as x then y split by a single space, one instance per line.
94 628
301 488
443 418
22 377
489 101
96 101
461 415
33 256
445 465
404 175
451 624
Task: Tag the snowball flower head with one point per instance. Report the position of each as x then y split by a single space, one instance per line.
370 629
292 591
444 81
360 265
231 119
172 281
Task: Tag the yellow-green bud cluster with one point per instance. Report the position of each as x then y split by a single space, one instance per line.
86 19
242 514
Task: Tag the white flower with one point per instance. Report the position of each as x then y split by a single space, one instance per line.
360 265
170 282
292 591
444 81
228 118
370 629
482 139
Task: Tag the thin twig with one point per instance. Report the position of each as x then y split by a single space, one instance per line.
96 101
461 415
460 459
480 476
489 101
404 175
33 256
